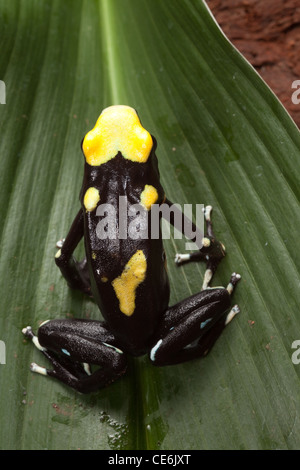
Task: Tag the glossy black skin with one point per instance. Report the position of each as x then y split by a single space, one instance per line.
121 177
169 334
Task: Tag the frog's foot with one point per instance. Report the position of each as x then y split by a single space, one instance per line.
207 211
70 346
235 278
207 278
233 312
211 252
181 258
33 366
60 243
29 334
27 331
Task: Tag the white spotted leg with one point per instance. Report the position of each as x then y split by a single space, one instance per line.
235 278
212 251
27 331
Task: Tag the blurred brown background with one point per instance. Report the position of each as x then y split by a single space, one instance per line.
267 33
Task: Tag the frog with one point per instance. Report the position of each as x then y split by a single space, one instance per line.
127 277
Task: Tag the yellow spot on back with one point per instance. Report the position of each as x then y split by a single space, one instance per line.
118 128
149 196
91 199
125 285
58 254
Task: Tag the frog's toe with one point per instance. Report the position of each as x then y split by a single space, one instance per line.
38 369
30 334
233 312
207 212
235 278
181 258
27 331
60 243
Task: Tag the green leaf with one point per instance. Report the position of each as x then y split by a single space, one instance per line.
223 139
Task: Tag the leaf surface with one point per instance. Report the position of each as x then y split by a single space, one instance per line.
223 139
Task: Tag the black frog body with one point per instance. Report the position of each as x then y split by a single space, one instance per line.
128 276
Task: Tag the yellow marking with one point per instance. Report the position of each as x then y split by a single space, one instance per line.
149 196
118 128
94 256
58 254
91 199
125 285
104 279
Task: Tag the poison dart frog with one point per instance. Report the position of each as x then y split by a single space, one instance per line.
127 275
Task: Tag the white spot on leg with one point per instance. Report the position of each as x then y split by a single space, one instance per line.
207 210
38 369
66 352
233 312
113 347
203 323
207 278
37 344
229 288
87 368
154 349
60 243
179 258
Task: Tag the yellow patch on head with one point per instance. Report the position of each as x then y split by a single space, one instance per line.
149 196
125 285
118 128
91 199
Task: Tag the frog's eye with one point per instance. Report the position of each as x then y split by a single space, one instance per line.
118 129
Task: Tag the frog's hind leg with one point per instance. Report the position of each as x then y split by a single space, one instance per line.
212 251
190 328
72 346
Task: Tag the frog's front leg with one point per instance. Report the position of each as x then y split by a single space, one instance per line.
71 346
190 328
75 273
212 251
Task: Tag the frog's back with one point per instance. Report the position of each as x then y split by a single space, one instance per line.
127 270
